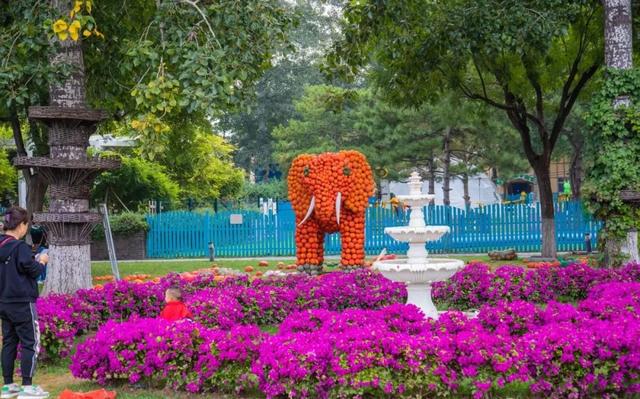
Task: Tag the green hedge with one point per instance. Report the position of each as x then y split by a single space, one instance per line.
123 224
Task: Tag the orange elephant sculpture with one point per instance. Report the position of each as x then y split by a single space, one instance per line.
329 193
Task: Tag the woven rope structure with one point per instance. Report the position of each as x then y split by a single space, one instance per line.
69 172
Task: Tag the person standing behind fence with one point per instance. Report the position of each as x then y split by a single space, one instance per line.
395 204
18 294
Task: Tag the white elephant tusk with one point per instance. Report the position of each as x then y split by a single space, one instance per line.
312 206
338 206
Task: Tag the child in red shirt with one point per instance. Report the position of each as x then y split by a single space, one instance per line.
175 309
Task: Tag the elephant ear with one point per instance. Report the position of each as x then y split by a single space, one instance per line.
299 195
363 185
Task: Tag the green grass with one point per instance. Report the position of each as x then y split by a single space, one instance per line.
55 378
157 268
161 268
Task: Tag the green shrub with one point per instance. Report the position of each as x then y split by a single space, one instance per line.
123 224
135 183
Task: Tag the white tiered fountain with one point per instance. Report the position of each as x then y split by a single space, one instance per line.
417 270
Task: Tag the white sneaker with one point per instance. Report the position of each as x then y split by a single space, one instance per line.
32 392
10 391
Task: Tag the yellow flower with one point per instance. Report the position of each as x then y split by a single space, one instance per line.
100 35
86 33
74 29
88 5
77 6
135 124
60 26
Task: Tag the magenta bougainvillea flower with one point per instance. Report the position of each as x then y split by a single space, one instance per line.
569 332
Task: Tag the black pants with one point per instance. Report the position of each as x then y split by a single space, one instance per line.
19 325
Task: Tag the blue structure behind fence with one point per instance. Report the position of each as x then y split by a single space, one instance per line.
498 226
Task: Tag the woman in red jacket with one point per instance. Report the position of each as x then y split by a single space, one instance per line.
175 309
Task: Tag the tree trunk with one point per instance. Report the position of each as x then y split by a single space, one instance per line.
63 274
36 191
541 169
618 34
465 189
618 54
432 179
36 186
446 164
69 266
576 172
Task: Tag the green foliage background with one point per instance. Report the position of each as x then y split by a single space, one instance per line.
135 183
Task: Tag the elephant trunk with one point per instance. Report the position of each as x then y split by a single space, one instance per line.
338 206
312 206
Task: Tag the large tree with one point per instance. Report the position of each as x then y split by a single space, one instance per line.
158 60
613 183
530 59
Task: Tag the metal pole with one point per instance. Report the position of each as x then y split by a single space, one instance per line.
109 237
212 252
587 242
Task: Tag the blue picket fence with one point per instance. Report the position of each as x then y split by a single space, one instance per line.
477 230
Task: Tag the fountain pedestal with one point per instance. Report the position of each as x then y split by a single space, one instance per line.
418 271
419 294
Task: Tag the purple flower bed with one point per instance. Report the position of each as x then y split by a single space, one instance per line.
560 351
215 304
476 284
346 335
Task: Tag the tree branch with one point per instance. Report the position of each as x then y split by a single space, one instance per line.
17 134
505 107
194 4
519 120
565 109
574 67
476 96
484 88
539 98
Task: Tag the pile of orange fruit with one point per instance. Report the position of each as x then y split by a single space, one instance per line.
540 265
136 278
323 176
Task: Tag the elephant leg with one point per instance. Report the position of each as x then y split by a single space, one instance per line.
320 251
308 244
352 233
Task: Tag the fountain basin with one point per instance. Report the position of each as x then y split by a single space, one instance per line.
419 277
429 270
416 200
417 234
420 197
